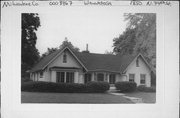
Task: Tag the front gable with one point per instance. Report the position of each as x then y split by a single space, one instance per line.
71 61
141 67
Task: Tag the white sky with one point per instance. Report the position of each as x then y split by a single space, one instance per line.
93 26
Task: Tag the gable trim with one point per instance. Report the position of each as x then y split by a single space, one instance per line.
59 54
151 68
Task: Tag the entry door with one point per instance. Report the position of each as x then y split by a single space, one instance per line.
87 78
112 79
100 77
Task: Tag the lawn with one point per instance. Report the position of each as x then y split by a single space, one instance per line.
94 98
147 97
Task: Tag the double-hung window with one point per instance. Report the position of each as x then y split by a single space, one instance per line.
65 77
143 79
60 77
41 74
69 77
64 58
131 77
137 62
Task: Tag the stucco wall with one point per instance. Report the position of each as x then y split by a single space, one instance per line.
118 78
53 76
142 69
81 78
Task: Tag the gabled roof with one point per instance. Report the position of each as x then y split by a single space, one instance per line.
91 61
104 62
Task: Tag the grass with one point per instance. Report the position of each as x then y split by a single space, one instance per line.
89 98
147 97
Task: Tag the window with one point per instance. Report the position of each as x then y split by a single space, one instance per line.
60 77
112 79
100 77
65 77
131 77
137 62
87 78
143 78
69 77
64 58
41 74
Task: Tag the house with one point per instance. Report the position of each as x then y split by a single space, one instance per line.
68 66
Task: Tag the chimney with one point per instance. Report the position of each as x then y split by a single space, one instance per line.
86 51
87 47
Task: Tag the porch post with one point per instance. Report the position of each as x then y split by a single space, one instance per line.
104 76
92 77
108 77
64 77
76 77
95 76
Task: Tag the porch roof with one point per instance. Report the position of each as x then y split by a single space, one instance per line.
56 67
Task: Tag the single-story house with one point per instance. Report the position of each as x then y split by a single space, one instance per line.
68 66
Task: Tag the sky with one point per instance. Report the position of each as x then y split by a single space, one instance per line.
96 27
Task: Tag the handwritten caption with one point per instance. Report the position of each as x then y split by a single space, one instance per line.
60 3
150 3
19 3
85 3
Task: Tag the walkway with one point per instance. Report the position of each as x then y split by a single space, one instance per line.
113 91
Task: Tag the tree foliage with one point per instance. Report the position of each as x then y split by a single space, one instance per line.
64 43
139 36
29 53
49 51
68 43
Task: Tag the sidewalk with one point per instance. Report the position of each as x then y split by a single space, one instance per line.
113 91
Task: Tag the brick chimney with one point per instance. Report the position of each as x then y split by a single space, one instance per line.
87 47
86 51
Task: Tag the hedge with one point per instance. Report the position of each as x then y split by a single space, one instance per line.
97 87
143 88
126 86
91 87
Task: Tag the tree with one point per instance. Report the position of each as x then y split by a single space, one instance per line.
49 51
68 43
142 28
125 43
64 43
29 53
109 52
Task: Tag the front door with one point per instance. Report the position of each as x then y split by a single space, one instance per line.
100 77
112 79
87 77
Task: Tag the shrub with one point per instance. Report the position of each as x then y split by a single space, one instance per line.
143 88
97 87
53 87
91 87
125 86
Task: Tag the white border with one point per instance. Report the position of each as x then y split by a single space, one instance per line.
167 70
